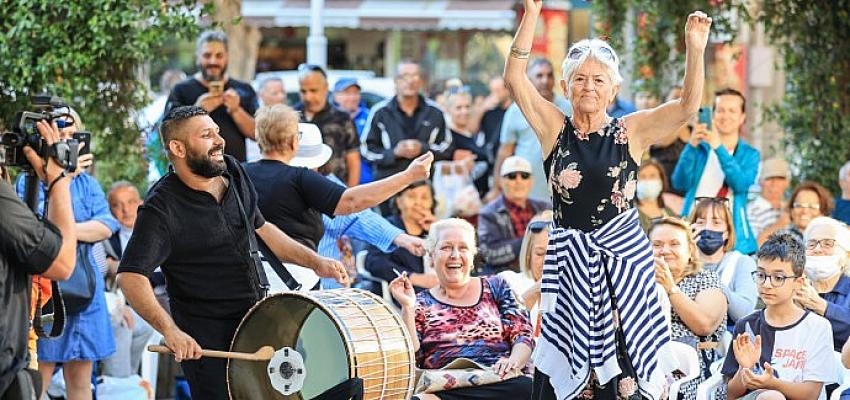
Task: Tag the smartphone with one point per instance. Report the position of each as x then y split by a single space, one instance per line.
216 88
83 137
705 116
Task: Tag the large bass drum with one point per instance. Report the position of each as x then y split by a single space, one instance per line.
322 339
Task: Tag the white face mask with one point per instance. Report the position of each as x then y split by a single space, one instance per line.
649 189
820 268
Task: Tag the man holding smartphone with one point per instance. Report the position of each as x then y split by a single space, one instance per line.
231 103
718 163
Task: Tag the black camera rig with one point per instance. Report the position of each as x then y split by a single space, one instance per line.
24 133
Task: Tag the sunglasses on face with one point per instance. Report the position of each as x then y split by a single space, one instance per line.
63 123
312 68
775 280
579 52
457 89
514 175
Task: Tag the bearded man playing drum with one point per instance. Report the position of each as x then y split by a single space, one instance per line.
192 226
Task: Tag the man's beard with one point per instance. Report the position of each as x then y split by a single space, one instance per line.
210 77
205 166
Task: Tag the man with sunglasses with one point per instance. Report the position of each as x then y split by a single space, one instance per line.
718 163
502 222
230 103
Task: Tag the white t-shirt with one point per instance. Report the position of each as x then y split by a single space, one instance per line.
799 352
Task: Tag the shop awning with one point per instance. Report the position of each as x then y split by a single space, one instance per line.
411 15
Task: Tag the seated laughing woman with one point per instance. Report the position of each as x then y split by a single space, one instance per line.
475 318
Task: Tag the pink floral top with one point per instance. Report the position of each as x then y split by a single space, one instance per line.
592 177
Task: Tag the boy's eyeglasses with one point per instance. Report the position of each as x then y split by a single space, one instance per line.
312 68
537 226
775 280
826 244
514 175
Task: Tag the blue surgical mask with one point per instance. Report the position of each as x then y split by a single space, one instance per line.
710 241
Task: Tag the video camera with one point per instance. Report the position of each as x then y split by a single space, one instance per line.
24 133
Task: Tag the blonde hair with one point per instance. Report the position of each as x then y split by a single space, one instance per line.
276 127
527 246
451 223
694 266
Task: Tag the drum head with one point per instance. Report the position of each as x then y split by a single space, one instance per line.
295 321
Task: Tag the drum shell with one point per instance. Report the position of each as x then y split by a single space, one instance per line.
374 342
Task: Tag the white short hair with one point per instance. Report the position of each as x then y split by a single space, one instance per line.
841 236
844 171
595 50
451 223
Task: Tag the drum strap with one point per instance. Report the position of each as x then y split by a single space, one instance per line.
253 241
349 389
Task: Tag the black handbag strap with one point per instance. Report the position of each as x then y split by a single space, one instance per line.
58 313
255 246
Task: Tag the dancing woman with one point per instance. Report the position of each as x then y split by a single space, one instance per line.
598 256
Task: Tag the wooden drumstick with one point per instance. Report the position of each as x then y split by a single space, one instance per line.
265 353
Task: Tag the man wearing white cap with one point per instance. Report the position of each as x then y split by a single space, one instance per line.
294 198
766 209
502 222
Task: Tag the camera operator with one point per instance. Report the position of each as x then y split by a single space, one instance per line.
28 247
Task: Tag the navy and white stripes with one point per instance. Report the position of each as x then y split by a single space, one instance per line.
578 321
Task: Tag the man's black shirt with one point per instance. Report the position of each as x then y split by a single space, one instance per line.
186 93
27 247
201 245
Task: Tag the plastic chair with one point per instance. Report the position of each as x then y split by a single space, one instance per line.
687 361
845 378
360 262
150 361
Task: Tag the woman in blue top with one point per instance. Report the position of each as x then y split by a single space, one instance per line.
88 334
590 159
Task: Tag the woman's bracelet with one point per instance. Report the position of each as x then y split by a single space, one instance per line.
521 54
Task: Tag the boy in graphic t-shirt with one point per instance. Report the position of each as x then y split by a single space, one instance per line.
791 355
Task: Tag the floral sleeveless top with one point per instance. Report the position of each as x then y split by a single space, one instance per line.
592 177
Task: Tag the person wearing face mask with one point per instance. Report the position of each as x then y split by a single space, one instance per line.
652 181
715 234
827 291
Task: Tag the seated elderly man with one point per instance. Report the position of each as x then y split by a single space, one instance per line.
502 222
463 316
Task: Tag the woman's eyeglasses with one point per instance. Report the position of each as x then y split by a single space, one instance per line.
537 226
826 244
606 52
312 68
775 280
807 206
514 175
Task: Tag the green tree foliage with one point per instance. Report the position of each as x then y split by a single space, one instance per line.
814 40
89 52
659 31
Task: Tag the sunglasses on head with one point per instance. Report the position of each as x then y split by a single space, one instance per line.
537 226
716 200
514 175
458 89
312 68
578 52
